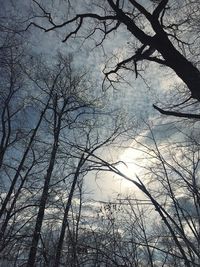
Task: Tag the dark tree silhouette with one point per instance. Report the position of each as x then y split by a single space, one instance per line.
150 24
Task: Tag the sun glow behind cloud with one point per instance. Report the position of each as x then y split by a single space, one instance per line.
106 185
130 167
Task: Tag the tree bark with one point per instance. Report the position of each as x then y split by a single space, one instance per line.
43 200
66 212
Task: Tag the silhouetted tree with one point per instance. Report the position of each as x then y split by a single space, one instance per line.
155 33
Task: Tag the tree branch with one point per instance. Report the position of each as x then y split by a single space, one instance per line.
177 114
157 60
141 9
160 8
131 26
76 18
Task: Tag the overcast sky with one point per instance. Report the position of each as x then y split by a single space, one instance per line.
135 99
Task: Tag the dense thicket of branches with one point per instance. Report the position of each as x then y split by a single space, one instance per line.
50 128
55 133
164 32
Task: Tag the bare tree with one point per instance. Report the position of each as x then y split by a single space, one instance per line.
174 192
66 142
83 149
64 100
152 25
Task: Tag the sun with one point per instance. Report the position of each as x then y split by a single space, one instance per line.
130 166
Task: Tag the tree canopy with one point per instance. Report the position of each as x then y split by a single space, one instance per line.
158 31
60 134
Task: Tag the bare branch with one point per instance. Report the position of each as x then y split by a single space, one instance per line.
46 14
75 31
177 114
141 9
160 8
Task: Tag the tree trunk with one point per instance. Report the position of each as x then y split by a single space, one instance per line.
66 212
185 70
43 200
7 198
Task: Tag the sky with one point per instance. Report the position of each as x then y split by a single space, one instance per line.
134 98
150 152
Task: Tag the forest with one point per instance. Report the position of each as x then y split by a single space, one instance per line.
99 133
